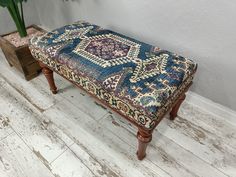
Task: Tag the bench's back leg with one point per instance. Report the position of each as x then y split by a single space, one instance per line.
144 137
175 109
49 76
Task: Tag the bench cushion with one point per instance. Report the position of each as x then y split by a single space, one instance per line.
136 79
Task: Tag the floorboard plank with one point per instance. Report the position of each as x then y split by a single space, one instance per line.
210 122
200 142
95 165
83 102
35 91
68 165
17 160
100 143
162 151
46 141
78 97
24 119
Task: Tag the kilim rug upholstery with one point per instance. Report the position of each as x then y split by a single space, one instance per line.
137 79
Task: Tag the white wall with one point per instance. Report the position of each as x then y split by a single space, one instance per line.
6 23
199 29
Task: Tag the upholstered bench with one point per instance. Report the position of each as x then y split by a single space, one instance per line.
139 81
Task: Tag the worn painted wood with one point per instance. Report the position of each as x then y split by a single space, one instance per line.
20 57
77 97
42 136
98 167
100 143
85 103
23 118
74 157
5 130
202 143
162 151
48 125
35 91
210 122
80 99
17 160
72 167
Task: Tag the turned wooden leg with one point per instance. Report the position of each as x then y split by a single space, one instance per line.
144 137
175 109
49 76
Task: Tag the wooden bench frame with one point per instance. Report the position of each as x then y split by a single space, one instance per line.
144 136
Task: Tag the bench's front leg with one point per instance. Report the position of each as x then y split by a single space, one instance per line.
175 109
49 76
144 137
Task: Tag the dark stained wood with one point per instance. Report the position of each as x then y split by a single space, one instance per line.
175 109
144 137
20 57
49 76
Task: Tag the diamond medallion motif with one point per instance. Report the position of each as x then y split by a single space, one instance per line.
149 68
108 50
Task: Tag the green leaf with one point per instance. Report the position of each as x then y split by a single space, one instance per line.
6 3
18 1
16 14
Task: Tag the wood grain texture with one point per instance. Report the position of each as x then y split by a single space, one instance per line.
49 76
35 91
72 167
144 137
21 58
77 97
175 109
163 152
24 119
5 129
202 143
17 160
82 101
99 142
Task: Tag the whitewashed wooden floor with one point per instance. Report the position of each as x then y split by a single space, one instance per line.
68 134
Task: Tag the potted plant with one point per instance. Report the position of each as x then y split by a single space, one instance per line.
15 44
